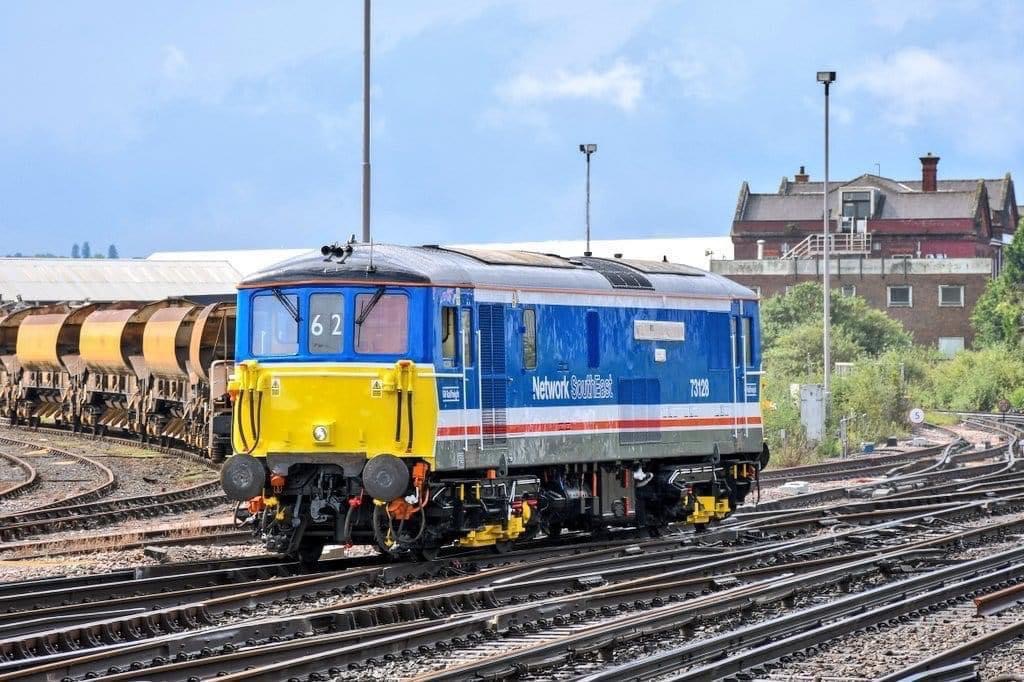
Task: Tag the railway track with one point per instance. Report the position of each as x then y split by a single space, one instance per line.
105 483
548 610
559 586
28 480
87 509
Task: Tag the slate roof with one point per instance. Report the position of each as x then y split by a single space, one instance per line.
900 199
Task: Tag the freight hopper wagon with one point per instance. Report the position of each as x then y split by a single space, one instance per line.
157 371
413 397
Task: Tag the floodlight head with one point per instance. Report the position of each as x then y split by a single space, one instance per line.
826 77
588 149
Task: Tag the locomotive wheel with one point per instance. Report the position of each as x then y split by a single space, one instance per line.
553 530
503 546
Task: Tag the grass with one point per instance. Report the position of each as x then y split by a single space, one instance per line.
941 418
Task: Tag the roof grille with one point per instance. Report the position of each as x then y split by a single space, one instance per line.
618 275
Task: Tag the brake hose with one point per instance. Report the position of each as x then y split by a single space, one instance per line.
408 402
398 415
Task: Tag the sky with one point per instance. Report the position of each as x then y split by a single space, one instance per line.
217 125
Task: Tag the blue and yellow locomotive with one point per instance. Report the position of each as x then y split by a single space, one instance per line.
413 397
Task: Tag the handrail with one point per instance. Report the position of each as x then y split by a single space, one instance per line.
843 243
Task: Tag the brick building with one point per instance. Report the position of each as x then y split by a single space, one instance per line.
922 250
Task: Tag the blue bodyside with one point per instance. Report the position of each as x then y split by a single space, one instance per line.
626 371
563 352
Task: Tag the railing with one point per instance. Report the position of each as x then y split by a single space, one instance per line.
842 244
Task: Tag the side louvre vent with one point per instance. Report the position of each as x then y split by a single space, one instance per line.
493 378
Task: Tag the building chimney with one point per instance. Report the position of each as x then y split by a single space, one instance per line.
760 249
929 173
801 176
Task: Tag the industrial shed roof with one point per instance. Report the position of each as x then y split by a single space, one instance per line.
693 251
77 279
246 261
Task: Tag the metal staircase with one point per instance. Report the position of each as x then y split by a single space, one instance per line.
842 244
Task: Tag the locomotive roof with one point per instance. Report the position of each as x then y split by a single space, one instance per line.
439 266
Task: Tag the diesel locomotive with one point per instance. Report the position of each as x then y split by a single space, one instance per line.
412 397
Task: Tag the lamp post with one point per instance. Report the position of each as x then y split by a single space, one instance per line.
587 150
826 77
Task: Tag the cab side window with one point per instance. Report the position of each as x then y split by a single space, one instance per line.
449 336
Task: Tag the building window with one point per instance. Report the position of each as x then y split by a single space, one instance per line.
950 345
901 296
951 295
856 205
849 290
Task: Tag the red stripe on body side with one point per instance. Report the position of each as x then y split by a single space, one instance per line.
605 425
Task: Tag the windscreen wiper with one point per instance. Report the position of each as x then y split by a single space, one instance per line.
283 300
365 312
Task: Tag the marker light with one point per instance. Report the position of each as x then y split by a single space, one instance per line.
320 434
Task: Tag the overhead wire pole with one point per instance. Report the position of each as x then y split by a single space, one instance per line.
366 121
826 77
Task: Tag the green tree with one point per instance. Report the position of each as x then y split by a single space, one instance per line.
870 329
999 314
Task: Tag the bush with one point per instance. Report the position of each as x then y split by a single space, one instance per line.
975 380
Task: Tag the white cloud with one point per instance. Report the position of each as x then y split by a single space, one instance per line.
706 71
894 16
913 83
976 99
175 65
621 85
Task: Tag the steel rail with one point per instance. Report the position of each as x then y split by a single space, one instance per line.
764 642
957 656
427 604
30 480
106 485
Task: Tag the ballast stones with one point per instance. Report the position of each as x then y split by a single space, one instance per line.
242 477
385 477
